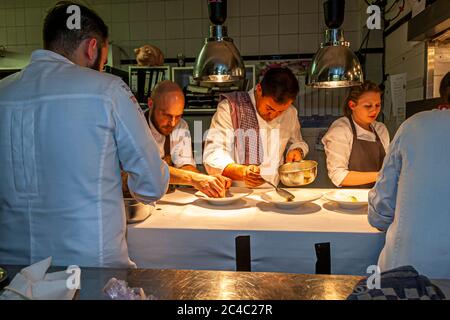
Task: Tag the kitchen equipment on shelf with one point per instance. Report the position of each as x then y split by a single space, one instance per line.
297 174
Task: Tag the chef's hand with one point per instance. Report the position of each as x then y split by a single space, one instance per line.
294 156
212 186
252 177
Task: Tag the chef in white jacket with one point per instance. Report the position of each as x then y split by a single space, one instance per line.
251 131
411 199
65 131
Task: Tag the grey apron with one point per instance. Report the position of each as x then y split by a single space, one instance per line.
366 156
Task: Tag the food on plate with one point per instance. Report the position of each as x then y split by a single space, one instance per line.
353 199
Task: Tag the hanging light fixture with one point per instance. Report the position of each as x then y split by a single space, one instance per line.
335 65
219 60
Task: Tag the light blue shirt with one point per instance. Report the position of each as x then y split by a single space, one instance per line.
411 199
65 131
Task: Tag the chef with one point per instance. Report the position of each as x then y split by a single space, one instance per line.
251 131
66 131
356 144
173 138
410 200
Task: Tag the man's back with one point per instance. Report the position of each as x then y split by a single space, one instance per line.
64 130
420 157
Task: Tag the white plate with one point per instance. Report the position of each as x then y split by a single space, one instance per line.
344 198
235 193
301 197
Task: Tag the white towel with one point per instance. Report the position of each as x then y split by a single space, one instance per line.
34 283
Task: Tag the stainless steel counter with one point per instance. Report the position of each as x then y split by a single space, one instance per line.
216 285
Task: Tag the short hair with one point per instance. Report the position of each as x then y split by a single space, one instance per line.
356 92
280 84
58 37
444 87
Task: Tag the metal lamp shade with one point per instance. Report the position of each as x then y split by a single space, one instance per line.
335 65
219 60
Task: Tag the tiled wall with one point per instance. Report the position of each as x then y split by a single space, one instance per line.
259 27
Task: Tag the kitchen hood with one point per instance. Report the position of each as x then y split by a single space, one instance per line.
219 60
431 24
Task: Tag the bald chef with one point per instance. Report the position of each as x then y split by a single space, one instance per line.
173 138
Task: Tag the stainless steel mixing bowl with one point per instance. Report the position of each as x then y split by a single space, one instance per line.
297 174
136 211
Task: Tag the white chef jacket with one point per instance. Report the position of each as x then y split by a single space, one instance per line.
64 132
221 151
180 144
338 142
411 199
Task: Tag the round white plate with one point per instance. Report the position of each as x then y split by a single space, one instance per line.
234 194
349 199
301 197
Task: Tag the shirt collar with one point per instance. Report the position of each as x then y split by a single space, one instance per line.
39 55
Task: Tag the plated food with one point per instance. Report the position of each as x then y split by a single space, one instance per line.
349 199
233 195
301 197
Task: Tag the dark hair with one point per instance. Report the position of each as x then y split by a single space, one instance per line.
444 88
280 84
356 92
58 37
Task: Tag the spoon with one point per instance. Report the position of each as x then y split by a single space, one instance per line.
282 192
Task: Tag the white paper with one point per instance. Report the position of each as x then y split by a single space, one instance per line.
398 96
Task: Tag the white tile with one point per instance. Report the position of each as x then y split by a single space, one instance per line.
21 36
268 25
20 17
104 11
268 7
174 9
119 12
352 21
234 8
268 45
192 47
309 6
138 31
138 11
234 27
192 9
157 30
33 35
3 36
288 6
250 26
193 28
249 7
174 47
120 31
33 17
308 43
11 36
174 29
288 44
156 11
249 46
289 24
309 23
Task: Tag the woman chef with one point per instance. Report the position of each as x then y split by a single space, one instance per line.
356 144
